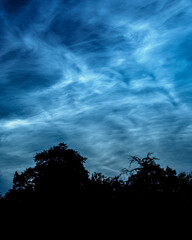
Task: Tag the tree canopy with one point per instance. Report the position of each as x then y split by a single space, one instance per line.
59 176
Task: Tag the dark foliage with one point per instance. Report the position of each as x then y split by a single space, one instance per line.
60 181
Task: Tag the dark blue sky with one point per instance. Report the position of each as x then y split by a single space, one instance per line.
110 78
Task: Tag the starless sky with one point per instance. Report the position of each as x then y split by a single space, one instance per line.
110 78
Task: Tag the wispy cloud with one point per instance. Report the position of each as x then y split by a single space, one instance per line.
110 80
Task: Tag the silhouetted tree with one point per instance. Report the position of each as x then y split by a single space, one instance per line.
60 168
25 180
146 176
58 175
59 178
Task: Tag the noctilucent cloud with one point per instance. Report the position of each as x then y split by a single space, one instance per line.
110 78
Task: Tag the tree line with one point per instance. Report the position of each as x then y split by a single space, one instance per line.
59 178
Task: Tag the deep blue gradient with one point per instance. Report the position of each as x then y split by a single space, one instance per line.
110 78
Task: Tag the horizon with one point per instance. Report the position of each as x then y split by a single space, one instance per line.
108 78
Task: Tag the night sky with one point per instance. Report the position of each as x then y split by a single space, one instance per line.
110 78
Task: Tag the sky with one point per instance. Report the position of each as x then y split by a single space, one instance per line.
110 78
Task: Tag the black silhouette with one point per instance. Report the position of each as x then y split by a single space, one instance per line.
59 180
58 176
